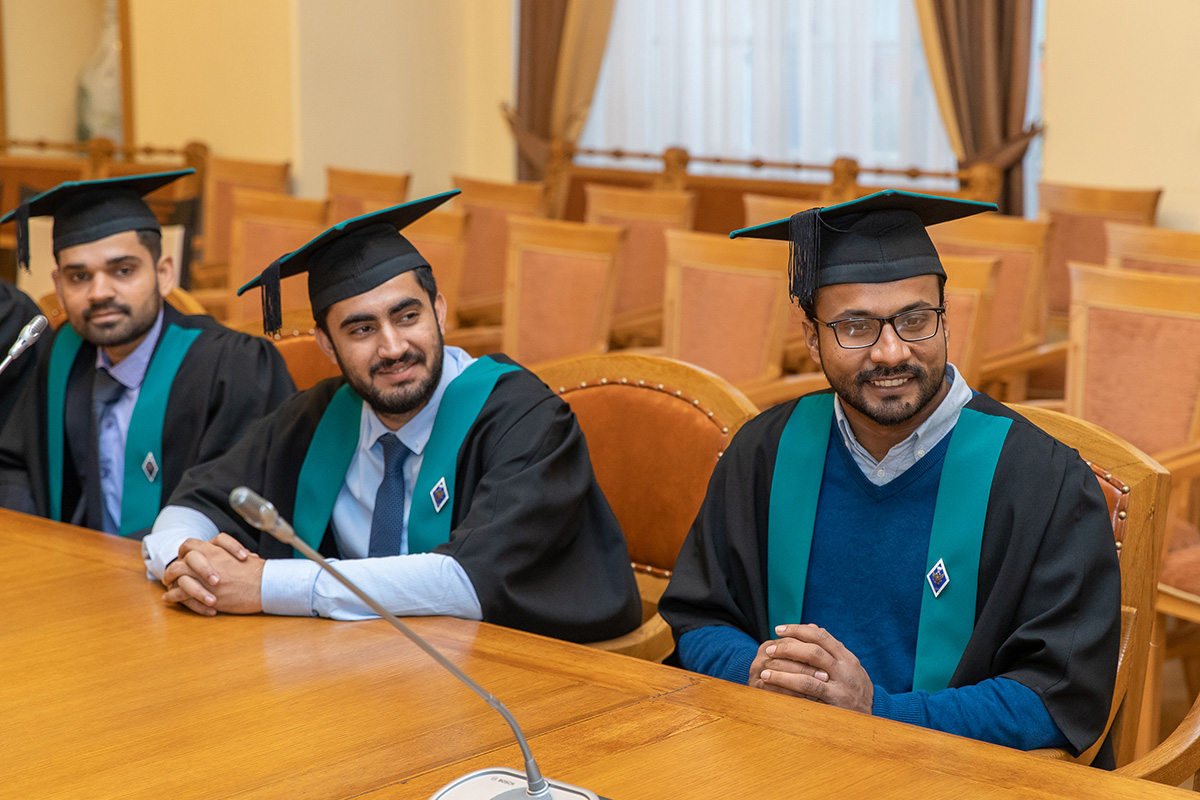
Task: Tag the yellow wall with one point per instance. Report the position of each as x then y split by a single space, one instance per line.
46 43
216 70
1122 99
404 86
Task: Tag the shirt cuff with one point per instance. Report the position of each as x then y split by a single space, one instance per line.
172 527
287 586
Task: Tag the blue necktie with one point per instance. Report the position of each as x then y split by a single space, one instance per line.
387 523
106 391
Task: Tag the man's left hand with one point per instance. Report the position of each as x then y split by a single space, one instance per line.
846 684
210 576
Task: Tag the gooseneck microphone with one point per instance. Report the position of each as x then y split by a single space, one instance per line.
29 334
487 784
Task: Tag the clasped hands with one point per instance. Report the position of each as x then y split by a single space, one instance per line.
217 575
806 661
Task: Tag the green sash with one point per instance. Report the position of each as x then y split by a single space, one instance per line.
141 495
336 438
946 621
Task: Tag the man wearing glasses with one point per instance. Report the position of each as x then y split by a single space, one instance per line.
901 545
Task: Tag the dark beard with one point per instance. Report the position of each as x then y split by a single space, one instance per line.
401 400
123 331
893 413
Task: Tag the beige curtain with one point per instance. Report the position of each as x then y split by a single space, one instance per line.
978 55
561 50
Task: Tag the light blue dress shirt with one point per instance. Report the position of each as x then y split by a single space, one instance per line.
112 424
406 585
921 441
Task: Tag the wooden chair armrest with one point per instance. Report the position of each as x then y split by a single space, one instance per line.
650 641
478 341
1044 355
1176 759
1177 603
213 275
773 391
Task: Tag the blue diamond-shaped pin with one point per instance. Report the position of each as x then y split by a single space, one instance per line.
938 578
150 467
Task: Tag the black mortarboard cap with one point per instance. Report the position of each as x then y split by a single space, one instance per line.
86 211
350 258
875 239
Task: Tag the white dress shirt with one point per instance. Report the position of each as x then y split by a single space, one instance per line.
406 585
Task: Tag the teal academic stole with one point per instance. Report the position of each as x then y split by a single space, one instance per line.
141 496
947 616
336 438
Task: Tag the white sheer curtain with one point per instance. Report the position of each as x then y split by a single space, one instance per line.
781 80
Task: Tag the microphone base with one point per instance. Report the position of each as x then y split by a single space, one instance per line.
500 783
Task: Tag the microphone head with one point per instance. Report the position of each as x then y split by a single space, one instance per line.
256 510
36 327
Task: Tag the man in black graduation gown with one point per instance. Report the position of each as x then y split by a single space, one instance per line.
447 484
16 310
131 392
901 545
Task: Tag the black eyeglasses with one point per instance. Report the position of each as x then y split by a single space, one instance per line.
854 333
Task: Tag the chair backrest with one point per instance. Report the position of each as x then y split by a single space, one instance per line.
1151 249
1131 363
655 428
558 288
763 208
1018 317
352 193
490 204
440 236
1078 214
306 362
221 177
1136 489
645 214
970 288
726 304
266 225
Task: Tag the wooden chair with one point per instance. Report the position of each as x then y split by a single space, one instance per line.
1079 214
726 305
264 226
1136 488
1151 249
221 177
181 300
440 236
655 429
969 293
352 194
644 214
1017 324
306 362
1131 369
22 177
490 204
559 287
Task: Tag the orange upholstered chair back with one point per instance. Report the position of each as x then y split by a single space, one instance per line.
440 236
266 225
1018 315
1079 214
970 282
726 304
655 429
221 177
306 363
1151 249
558 289
352 193
645 214
1132 366
490 204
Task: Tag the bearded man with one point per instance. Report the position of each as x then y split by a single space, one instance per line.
131 392
447 484
901 545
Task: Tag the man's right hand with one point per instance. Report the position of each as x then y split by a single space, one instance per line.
195 568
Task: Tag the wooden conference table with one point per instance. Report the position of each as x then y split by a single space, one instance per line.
105 692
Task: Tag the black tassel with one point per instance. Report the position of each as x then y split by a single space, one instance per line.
804 230
22 222
272 303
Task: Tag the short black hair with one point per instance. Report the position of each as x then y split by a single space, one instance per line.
810 308
425 280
